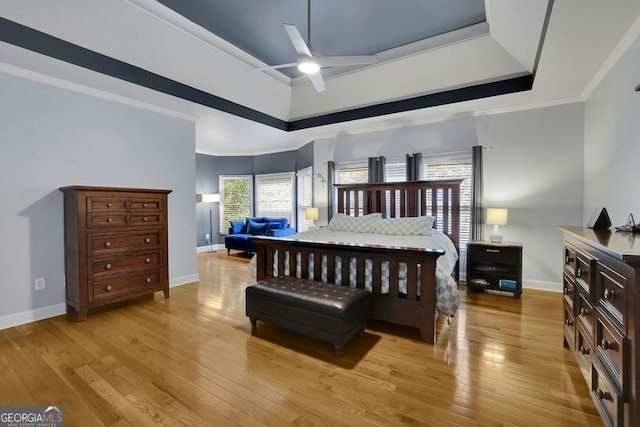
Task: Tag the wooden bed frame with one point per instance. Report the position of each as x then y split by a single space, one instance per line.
440 199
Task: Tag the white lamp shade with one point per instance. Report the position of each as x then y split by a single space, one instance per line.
497 216
209 198
312 213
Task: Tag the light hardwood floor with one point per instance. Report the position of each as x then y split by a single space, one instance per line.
192 360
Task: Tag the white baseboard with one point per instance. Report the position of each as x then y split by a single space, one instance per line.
542 286
210 248
20 318
23 317
184 280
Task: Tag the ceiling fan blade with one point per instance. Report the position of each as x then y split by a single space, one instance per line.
297 40
337 61
318 82
292 64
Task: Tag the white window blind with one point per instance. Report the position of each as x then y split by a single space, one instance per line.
454 166
275 196
304 196
352 173
236 195
396 171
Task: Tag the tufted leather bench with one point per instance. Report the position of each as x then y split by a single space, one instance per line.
325 311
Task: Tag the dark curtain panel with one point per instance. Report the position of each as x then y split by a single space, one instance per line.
376 169
477 194
331 178
415 171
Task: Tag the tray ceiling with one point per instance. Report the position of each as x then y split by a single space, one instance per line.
192 62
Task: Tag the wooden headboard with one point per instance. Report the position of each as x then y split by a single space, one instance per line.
440 199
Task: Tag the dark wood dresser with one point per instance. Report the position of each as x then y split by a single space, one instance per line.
116 245
601 287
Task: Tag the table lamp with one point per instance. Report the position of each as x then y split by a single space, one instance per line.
496 217
312 214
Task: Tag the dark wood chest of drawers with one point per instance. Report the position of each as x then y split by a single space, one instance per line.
116 245
601 293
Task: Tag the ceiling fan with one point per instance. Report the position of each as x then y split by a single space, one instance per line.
310 61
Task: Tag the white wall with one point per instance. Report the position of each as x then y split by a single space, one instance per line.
52 137
534 168
612 141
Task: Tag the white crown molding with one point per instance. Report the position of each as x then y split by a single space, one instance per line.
91 91
168 16
624 44
416 48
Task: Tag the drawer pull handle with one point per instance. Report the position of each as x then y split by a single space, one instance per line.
497 251
147 240
603 395
609 345
108 205
107 244
579 272
584 350
108 288
568 259
109 220
568 322
148 260
148 279
567 291
144 205
145 219
107 267
585 312
609 294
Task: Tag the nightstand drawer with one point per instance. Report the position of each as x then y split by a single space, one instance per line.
495 254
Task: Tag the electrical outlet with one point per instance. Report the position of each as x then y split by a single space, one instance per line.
41 283
206 236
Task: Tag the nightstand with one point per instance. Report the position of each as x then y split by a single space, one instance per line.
494 267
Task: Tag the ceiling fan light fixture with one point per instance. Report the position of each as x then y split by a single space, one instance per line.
308 65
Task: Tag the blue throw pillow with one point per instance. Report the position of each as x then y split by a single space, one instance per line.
281 222
237 226
275 225
256 227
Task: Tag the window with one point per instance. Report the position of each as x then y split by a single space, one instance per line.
396 171
454 166
304 196
236 195
275 196
352 173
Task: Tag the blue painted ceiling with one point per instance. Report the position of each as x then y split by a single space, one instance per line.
338 27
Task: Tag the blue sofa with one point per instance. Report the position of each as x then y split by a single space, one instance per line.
240 232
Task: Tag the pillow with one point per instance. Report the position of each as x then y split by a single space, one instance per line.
353 224
237 226
256 227
276 223
409 226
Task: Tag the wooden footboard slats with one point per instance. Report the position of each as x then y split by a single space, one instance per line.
393 306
